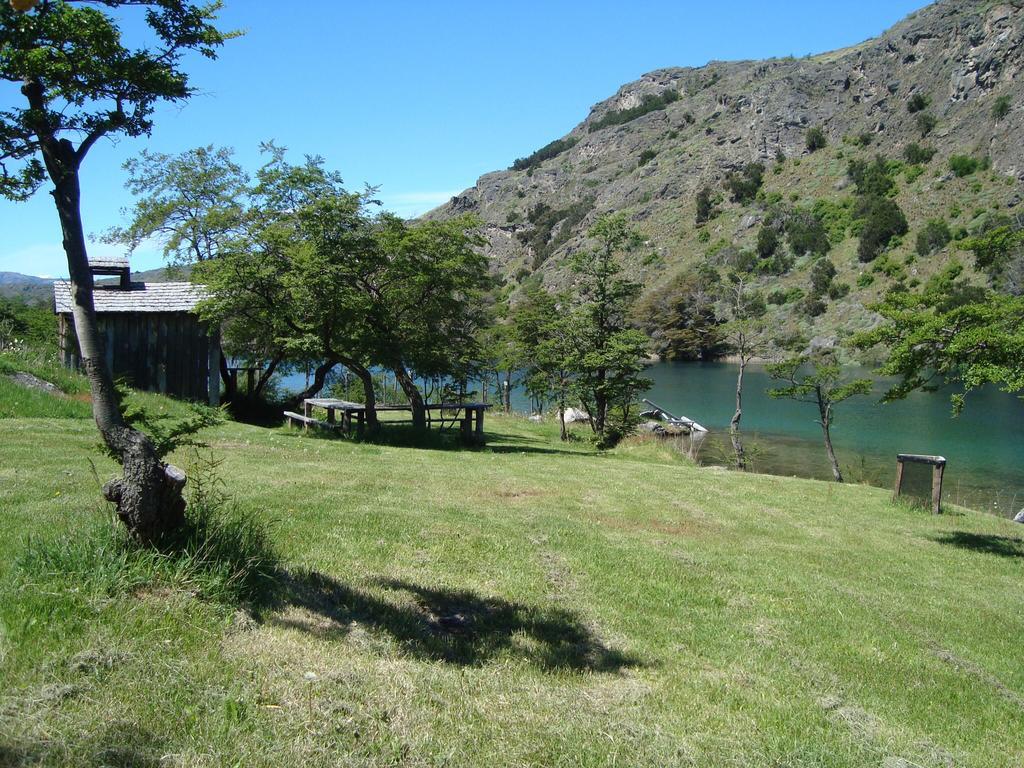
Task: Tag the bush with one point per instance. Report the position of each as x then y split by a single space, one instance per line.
815 139
1001 107
646 156
705 206
934 236
546 152
806 233
917 103
926 123
745 184
864 279
882 220
649 103
963 165
873 178
821 276
835 217
918 155
767 242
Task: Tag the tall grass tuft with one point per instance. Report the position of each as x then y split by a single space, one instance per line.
224 554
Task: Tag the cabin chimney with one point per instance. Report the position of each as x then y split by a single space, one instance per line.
115 267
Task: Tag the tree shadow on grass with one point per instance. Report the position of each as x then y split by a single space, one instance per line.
1004 546
456 627
117 745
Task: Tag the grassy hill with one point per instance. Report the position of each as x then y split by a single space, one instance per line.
528 604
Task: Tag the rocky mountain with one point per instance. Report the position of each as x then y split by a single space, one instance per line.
947 80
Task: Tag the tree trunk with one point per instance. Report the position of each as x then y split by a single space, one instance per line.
265 376
148 494
225 376
563 433
826 419
734 424
319 380
506 393
419 413
369 393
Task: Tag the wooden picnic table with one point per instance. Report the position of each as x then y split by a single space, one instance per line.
471 422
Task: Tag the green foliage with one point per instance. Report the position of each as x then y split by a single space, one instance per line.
951 332
913 173
26 325
167 431
917 103
926 123
881 221
806 233
933 236
89 84
649 103
864 279
679 317
999 252
780 297
193 204
705 205
876 178
646 156
744 184
836 217
1001 107
548 151
815 139
917 154
542 238
767 242
821 277
964 165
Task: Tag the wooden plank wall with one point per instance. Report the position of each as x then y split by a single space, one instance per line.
167 352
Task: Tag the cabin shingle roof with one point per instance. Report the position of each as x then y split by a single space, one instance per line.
139 297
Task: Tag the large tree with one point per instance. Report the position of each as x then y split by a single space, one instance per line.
81 82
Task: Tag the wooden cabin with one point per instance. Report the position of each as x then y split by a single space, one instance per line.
153 338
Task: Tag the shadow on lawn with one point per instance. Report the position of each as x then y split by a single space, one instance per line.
117 745
1005 546
454 626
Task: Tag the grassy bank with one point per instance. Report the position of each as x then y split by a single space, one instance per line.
529 604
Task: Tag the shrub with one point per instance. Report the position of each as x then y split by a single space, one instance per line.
649 103
933 236
882 220
806 233
873 178
811 306
835 217
963 165
767 242
918 155
821 276
646 156
815 139
863 139
745 184
546 152
864 279
926 123
917 103
1001 107
913 173
705 206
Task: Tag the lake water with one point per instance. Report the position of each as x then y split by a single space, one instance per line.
984 446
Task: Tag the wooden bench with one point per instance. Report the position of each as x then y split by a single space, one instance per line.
296 419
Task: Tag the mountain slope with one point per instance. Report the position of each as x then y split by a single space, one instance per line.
648 149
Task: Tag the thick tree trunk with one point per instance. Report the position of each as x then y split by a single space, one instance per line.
225 376
734 424
419 413
563 431
148 494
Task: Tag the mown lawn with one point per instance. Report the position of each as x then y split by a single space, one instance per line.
525 605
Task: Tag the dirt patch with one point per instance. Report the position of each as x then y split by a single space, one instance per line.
558 575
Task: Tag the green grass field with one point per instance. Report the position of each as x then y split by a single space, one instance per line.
525 605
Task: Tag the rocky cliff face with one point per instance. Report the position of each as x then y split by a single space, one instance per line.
950 62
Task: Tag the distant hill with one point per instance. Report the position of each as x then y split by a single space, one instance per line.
949 78
39 290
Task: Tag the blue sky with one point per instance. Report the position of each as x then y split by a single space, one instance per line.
421 98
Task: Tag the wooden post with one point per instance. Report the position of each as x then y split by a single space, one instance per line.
360 421
899 478
346 421
234 380
307 408
330 415
466 425
250 375
937 472
480 424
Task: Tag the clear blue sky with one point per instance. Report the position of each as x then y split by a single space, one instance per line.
421 98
